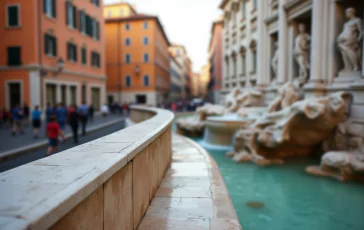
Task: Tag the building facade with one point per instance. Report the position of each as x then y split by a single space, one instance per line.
137 59
316 43
204 80
196 89
180 54
215 61
53 51
176 74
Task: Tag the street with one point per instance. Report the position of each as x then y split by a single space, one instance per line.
40 153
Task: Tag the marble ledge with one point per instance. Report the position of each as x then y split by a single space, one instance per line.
40 193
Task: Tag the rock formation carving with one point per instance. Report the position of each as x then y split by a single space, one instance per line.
287 95
239 99
349 43
274 62
296 130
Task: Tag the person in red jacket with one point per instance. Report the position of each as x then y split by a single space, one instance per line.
53 132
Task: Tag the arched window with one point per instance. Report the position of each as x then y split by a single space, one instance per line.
127 58
146 80
127 81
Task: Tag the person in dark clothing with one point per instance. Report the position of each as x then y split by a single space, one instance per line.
73 118
91 111
49 112
26 114
83 112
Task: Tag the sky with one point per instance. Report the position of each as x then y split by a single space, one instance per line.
186 22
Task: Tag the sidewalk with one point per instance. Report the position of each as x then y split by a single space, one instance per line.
192 195
10 145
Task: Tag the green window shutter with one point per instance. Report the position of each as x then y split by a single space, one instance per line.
46 44
74 12
54 8
55 46
45 4
67 5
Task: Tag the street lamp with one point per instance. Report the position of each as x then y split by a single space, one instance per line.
60 65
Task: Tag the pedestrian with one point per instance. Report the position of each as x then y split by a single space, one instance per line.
49 112
125 109
53 132
26 114
105 111
83 111
17 114
91 111
173 107
73 118
61 114
36 121
6 117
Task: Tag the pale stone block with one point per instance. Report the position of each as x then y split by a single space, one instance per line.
155 167
118 206
140 185
157 223
223 207
87 215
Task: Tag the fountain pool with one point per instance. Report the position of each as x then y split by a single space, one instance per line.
292 199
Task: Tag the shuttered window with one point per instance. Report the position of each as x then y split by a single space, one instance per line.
71 52
49 8
71 15
50 45
95 59
84 55
13 16
14 55
95 2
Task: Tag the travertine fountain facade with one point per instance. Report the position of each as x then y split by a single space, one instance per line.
317 47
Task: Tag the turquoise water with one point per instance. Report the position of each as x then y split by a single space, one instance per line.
293 200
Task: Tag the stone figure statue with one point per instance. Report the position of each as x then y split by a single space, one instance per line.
274 62
302 52
348 41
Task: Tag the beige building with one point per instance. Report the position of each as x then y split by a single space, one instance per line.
196 92
180 54
315 42
204 79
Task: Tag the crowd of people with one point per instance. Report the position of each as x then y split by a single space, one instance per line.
183 105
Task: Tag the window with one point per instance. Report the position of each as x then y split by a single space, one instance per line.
14 55
84 55
146 57
146 41
95 59
146 80
244 9
49 7
50 45
95 2
145 25
127 26
254 61
127 58
128 81
95 29
71 12
71 52
127 41
82 21
13 16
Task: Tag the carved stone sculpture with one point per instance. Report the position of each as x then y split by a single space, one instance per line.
194 126
239 99
302 52
344 157
274 62
349 43
287 95
294 131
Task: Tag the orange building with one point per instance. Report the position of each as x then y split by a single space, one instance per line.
137 59
52 51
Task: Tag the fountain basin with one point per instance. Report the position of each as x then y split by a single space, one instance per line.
220 130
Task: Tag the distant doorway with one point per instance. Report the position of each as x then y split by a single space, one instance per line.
95 98
141 99
110 99
73 95
14 94
51 94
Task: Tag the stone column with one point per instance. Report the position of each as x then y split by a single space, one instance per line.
314 87
292 74
58 93
262 47
35 88
282 43
68 95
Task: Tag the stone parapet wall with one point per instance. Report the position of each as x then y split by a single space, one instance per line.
103 184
